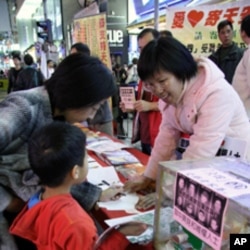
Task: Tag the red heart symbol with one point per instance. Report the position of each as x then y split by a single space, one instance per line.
194 17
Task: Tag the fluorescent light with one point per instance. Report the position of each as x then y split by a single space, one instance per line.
28 8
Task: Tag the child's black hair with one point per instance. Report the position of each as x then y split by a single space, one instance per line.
54 150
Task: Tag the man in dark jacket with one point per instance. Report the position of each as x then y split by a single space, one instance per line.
229 54
29 77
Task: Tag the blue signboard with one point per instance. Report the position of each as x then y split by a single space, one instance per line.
146 6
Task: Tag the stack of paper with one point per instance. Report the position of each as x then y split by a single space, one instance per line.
105 146
119 157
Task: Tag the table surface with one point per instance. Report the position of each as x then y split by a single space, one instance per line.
102 213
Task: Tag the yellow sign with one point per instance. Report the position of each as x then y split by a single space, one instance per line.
92 31
196 27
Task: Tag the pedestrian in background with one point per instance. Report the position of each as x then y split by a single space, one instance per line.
228 55
14 71
29 77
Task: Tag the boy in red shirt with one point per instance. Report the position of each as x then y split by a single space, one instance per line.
52 219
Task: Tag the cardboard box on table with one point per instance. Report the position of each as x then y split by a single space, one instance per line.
201 202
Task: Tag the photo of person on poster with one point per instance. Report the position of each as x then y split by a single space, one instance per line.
202 217
180 192
215 226
204 199
191 199
217 209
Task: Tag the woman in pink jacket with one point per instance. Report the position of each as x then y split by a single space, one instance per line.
195 99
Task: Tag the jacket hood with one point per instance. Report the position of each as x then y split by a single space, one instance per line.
208 74
38 223
212 71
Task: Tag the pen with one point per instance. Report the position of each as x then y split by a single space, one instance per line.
105 182
94 166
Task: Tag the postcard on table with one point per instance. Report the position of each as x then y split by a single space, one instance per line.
105 145
103 177
119 157
127 95
127 202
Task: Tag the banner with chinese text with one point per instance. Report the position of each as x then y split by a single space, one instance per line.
92 31
196 26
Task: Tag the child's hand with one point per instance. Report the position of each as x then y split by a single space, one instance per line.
112 193
133 228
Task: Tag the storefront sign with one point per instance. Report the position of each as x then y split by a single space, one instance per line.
196 27
115 38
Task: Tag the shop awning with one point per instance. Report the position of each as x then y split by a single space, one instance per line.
147 20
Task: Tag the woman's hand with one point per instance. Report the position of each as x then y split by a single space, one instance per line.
138 184
145 202
112 193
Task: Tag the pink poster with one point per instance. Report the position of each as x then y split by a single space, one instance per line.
200 210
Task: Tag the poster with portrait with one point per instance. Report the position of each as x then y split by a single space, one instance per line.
200 210
196 26
205 193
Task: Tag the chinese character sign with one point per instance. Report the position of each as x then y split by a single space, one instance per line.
92 31
196 27
127 95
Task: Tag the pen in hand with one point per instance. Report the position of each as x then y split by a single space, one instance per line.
106 183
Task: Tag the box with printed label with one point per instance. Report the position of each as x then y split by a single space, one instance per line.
209 200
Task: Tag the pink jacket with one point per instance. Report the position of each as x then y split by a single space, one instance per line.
241 80
208 110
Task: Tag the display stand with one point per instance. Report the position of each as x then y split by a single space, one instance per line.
201 202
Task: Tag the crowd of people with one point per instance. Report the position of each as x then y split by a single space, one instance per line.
43 164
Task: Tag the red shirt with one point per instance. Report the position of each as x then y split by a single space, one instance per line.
149 121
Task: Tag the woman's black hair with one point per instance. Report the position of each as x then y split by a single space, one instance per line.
81 48
167 54
80 81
